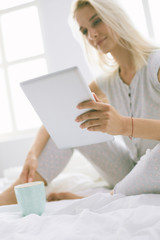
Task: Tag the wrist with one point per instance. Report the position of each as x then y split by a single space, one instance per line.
31 155
127 127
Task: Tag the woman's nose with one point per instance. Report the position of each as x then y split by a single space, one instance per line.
92 34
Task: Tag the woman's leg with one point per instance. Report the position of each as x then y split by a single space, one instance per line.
50 163
145 176
111 159
52 160
8 196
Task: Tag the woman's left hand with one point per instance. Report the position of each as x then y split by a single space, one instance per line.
103 117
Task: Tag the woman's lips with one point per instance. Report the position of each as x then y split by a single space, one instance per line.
101 41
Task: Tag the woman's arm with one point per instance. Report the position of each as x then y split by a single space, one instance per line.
39 142
141 128
31 162
105 118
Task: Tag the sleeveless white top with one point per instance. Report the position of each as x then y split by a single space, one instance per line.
140 99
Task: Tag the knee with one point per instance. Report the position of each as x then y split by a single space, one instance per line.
150 162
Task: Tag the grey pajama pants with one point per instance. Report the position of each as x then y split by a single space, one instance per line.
113 162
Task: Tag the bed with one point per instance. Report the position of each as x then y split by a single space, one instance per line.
98 216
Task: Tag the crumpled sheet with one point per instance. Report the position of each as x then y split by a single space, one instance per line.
97 217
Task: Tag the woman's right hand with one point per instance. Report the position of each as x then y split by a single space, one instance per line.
29 168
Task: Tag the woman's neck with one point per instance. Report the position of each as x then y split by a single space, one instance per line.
124 58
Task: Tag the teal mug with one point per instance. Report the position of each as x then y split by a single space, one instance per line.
31 197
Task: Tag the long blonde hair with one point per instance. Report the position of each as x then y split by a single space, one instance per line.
123 32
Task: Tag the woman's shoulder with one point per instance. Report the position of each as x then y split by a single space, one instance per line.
154 57
153 67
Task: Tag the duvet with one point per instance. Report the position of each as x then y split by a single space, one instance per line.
97 217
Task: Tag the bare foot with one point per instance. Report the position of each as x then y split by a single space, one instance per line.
62 196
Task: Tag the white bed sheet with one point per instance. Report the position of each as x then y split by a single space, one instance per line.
97 217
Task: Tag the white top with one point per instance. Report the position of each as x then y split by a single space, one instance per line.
140 99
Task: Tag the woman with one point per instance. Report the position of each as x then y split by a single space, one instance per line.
127 104
132 88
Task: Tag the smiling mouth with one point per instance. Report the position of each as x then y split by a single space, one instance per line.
101 41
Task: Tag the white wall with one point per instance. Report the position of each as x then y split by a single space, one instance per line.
13 152
61 48
62 51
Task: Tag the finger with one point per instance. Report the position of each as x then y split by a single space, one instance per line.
94 105
31 175
94 122
95 97
91 123
24 175
98 128
92 115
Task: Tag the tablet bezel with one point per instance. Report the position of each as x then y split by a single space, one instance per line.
54 97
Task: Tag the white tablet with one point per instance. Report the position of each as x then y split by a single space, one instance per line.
55 97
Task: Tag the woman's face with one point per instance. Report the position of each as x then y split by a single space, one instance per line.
95 30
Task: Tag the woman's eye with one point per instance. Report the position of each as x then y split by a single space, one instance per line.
85 31
96 22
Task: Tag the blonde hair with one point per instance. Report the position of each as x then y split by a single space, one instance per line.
123 32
